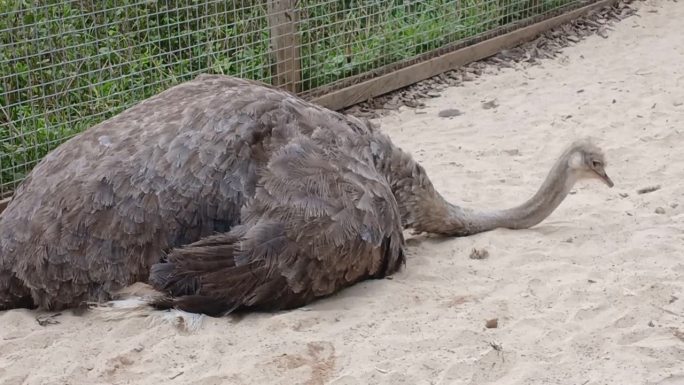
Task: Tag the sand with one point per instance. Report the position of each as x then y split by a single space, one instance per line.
593 295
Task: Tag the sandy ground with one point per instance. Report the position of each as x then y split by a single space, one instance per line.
594 295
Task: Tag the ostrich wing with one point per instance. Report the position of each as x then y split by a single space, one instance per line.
321 220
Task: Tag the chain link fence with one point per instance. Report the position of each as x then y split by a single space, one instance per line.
67 65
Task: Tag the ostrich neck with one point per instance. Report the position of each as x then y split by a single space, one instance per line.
424 209
548 197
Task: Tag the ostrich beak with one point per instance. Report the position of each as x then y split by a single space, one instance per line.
602 174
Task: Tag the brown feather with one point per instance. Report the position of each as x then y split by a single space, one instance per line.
222 192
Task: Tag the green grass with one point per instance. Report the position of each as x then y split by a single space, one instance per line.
67 65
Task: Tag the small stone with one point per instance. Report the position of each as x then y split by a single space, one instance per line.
659 210
479 254
674 205
651 324
591 281
448 113
624 195
490 104
492 323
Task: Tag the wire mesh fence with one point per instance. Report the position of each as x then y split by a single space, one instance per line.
67 65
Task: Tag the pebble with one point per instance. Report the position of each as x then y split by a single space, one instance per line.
479 254
490 104
448 113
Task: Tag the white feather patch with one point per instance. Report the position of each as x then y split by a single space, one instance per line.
138 307
576 161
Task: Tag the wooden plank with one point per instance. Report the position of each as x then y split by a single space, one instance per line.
380 85
4 203
282 21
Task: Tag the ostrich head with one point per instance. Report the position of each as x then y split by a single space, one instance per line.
588 162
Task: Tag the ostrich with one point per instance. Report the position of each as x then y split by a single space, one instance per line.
224 193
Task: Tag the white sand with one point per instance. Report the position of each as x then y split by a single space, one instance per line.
594 295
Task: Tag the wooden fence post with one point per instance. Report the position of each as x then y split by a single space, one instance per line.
282 22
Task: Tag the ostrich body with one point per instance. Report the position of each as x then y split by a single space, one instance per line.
225 193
